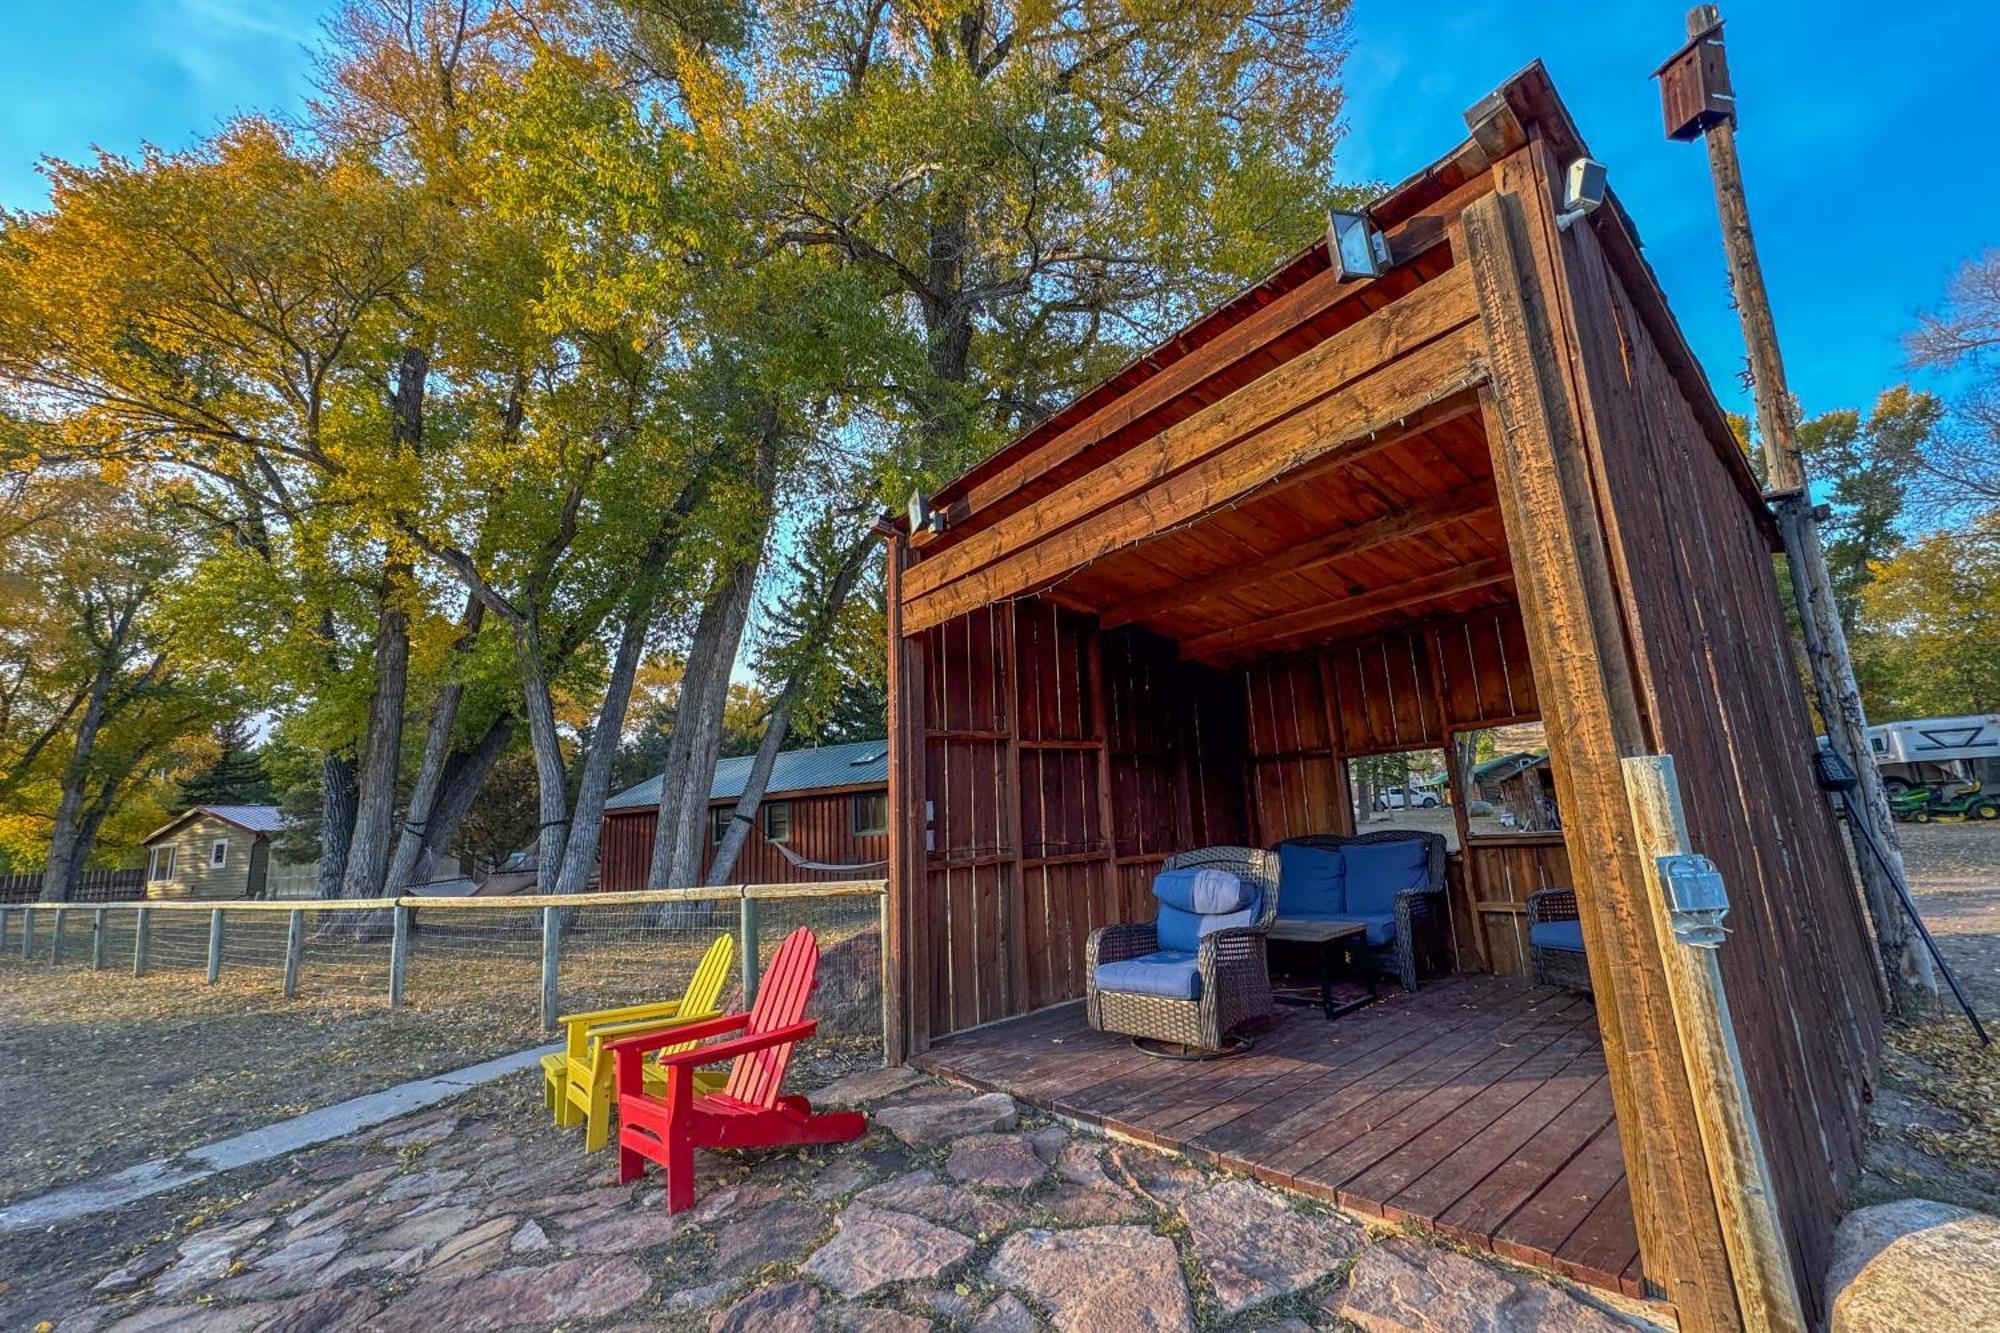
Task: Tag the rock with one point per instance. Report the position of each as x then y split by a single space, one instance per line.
1091 1206
1161 1178
840 1179
472 1252
1110 1278
927 1124
351 1188
193 1319
777 1233
626 1229
867 1086
343 1163
731 1200
299 1264
1915 1263
782 1307
576 1289
530 1239
135 1272
417 1184
1403 1286
206 1256
1049 1141
1001 1161
332 1311
422 1230
689 1300
1255 1247
943 1302
412 1133
1080 1164
876 1246
922 1193
1006 1315
870 1319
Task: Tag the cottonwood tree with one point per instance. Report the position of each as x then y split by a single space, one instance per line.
1957 476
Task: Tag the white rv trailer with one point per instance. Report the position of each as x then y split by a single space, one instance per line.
1932 751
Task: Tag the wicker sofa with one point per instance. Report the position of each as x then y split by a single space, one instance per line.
1142 986
1555 940
1395 909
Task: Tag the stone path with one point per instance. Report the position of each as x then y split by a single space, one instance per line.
956 1211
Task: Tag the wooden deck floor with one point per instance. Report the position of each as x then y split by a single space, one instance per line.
1477 1106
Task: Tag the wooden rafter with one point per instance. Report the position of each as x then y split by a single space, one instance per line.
1414 593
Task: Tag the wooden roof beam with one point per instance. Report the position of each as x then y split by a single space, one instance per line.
1245 640
1452 507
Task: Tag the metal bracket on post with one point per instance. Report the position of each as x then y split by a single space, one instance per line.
214 946
1697 899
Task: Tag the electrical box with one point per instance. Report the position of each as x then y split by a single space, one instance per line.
1694 87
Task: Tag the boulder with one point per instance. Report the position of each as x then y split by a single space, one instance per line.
927 1124
870 1085
1120 1278
1255 1246
1914 1264
1001 1161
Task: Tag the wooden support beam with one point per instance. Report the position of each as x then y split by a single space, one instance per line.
904 1033
1363 418
1583 677
1453 507
1241 639
1277 398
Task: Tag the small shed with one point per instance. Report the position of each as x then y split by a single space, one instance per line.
222 851
825 816
1347 516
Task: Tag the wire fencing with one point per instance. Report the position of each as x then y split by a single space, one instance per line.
517 960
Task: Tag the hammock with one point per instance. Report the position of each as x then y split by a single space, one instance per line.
803 864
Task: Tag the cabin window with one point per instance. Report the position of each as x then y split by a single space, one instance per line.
160 863
871 813
218 854
1406 789
1505 775
778 821
718 822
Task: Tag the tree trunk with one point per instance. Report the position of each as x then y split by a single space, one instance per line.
59 874
375 806
410 840
336 821
464 775
580 853
551 780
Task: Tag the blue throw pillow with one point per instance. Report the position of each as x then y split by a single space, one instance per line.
1312 882
1378 871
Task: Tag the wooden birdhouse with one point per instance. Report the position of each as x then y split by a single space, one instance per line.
1694 83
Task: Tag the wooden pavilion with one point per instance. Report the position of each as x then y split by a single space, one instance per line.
1337 518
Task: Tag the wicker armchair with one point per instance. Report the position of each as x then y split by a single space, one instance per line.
1555 940
1235 982
1417 909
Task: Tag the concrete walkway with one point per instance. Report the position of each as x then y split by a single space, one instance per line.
102 1193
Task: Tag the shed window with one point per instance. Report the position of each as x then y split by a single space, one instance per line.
871 813
1405 790
718 822
1505 775
778 821
160 864
218 854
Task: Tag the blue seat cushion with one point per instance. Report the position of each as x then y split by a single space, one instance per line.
1557 935
1203 890
1312 882
1378 871
1170 973
1381 925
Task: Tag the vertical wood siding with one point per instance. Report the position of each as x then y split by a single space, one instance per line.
822 830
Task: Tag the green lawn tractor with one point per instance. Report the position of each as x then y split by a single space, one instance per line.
1967 803
1912 805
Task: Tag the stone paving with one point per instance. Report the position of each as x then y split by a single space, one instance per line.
956 1211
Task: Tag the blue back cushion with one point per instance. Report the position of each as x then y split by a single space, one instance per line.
1312 882
1378 871
1194 902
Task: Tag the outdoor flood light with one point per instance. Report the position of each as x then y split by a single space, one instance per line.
922 517
1583 191
1357 248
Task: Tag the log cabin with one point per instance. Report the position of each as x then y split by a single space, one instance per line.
1345 516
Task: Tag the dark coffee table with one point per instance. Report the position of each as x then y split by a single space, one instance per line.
1338 942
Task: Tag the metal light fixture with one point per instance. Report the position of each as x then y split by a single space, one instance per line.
922 516
1357 248
1583 191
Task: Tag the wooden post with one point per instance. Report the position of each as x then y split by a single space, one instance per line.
214 946
139 941
746 938
56 935
551 964
295 944
905 992
97 940
1582 667
1912 981
1759 1260
399 953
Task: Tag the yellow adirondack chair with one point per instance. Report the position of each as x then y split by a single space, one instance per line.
577 1085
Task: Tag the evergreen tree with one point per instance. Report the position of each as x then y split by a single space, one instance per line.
236 777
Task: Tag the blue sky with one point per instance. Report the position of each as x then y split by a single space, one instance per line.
1848 112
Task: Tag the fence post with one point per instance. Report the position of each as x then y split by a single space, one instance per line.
139 942
399 954
746 939
55 936
27 933
214 946
6 923
551 961
97 940
295 943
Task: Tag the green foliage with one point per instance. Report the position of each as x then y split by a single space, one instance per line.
1934 612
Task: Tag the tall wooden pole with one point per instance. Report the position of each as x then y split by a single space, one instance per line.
1695 86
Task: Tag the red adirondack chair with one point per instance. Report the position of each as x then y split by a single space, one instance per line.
748 1112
